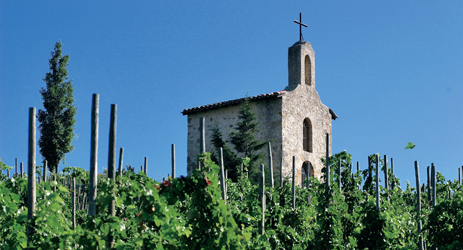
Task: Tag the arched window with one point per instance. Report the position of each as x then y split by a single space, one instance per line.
307 136
308 70
307 171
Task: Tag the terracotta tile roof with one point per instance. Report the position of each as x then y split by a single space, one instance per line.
232 102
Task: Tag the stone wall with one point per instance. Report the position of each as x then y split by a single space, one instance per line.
268 114
297 104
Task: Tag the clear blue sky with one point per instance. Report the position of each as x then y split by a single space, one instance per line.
391 70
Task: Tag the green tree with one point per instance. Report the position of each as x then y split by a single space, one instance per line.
57 119
244 141
230 159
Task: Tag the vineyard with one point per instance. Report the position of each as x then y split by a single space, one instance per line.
191 213
348 209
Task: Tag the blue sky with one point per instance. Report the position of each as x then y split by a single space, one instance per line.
391 70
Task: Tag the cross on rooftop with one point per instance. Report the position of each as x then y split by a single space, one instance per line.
300 26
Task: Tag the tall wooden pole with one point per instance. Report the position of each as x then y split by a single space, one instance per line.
262 199
112 153
202 142
145 169
222 176
22 169
31 185
294 191
74 203
327 175
386 174
377 183
433 180
16 166
370 175
270 165
307 170
339 175
112 163
92 192
459 178
121 158
429 182
45 169
173 161
418 202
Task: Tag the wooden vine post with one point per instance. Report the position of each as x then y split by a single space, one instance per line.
112 163
429 182
31 185
222 177
294 191
327 174
173 161
307 165
459 178
386 174
121 158
92 191
418 203
74 203
145 168
22 170
262 199
112 153
45 169
55 178
377 183
270 165
433 181
202 142
339 175
370 175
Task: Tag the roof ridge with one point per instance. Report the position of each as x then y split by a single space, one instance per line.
232 102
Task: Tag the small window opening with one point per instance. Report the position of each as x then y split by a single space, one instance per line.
307 136
308 69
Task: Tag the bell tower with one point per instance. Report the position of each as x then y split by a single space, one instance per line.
301 61
301 65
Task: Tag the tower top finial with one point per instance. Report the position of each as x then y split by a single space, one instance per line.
300 26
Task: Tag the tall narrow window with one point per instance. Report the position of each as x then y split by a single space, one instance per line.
307 135
308 70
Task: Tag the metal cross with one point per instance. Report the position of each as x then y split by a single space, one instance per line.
300 26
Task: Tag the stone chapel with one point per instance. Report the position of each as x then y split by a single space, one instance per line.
294 120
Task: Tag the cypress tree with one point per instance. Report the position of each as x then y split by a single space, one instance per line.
57 119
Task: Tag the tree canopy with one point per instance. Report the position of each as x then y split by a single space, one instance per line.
57 119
